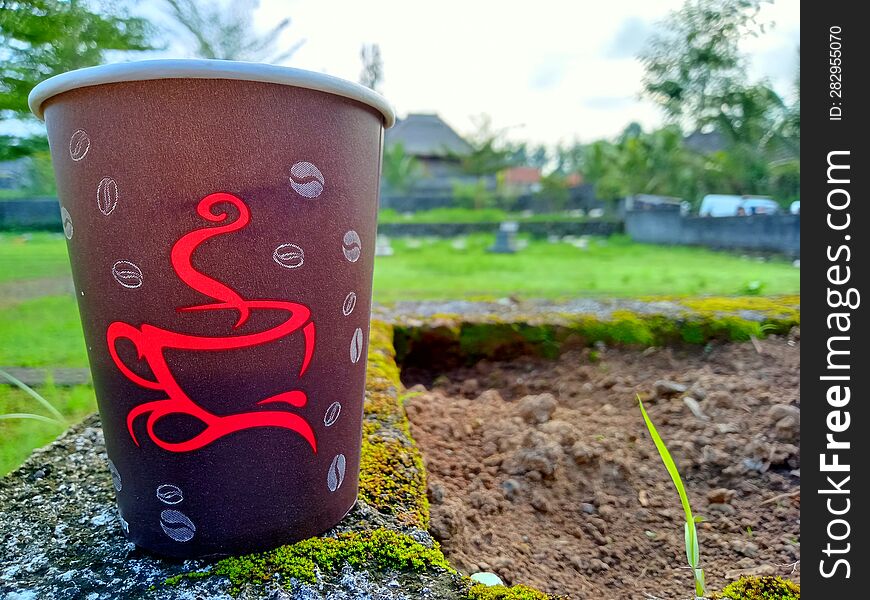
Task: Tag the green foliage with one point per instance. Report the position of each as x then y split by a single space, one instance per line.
399 169
695 71
225 30
693 554
490 150
760 588
380 549
694 59
45 332
476 195
18 437
42 38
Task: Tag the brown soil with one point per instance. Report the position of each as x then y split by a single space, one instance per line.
543 472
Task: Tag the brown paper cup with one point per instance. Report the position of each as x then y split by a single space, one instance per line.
221 223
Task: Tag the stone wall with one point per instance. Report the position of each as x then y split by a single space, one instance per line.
761 233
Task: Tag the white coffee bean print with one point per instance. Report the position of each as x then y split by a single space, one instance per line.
302 171
289 256
127 274
349 304
116 476
79 144
352 246
125 526
335 477
67 222
169 494
332 413
107 195
356 346
177 526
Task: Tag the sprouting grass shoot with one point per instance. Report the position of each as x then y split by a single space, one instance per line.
693 552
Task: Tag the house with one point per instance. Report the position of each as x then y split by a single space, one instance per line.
520 180
436 147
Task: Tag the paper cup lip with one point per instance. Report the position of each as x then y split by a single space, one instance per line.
177 68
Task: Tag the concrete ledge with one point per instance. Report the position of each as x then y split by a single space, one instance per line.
62 540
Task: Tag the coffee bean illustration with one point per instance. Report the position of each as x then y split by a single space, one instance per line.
335 477
67 222
352 246
289 256
79 144
332 413
349 304
356 346
116 476
169 494
107 195
127 274
177 525
302 171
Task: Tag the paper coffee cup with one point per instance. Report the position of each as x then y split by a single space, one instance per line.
221 224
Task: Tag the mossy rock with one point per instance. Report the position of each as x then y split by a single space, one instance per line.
760 588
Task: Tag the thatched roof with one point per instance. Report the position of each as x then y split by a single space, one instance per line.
426 135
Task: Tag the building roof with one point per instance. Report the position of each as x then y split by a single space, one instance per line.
522 175
705 142
426 135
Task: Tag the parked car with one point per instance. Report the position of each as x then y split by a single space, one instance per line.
719 205
795 207
729 205
758 206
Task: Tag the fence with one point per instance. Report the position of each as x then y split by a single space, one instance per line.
33 214
763 233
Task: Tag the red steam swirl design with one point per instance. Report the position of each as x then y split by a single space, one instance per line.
151 341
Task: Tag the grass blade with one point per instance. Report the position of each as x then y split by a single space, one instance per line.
693 553
42 418
33 393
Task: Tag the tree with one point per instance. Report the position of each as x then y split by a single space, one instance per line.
400 169
490 151
227 32
373 67
694 59
42 38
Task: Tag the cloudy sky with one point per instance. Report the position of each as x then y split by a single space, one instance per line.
551 70
548 71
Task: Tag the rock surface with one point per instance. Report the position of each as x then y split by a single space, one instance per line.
61 539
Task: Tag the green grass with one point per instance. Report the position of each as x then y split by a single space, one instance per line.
32 256
18 437
45 332
613 267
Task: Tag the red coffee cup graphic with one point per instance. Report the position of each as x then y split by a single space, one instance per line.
221 225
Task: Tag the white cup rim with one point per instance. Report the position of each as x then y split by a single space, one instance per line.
175 68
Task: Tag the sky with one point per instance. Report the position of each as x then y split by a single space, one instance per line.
546 71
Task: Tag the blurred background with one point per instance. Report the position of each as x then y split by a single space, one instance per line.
573 150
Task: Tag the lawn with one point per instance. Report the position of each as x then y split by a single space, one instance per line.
18 437
32 256
613 267
46 332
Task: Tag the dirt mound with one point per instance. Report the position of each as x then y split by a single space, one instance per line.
542 471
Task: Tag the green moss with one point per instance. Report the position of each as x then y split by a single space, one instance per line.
760 588
379 549
501 592
392 476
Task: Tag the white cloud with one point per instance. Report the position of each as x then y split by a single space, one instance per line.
548 70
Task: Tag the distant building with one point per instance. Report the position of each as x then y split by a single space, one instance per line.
437 147
705 142
16 174
521 180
